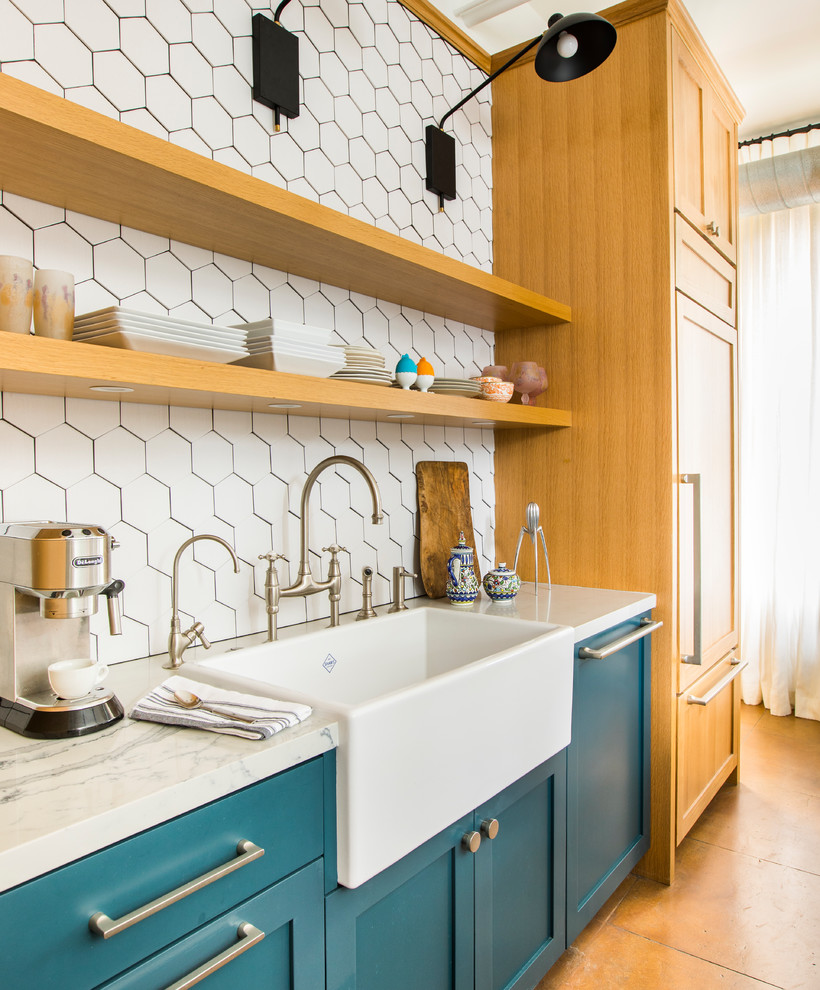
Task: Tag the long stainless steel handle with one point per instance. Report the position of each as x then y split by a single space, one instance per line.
249 936
646 627
737 667
696 657
101 924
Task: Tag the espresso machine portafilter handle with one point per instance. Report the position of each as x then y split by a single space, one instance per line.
112 593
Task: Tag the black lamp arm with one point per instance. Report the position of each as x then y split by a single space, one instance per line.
279 10
530 45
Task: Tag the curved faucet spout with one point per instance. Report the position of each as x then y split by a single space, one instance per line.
301 587
175 570
179 641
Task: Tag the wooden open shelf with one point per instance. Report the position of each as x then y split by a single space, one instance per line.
64 154
40 366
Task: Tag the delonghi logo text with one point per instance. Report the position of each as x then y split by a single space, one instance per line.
87 561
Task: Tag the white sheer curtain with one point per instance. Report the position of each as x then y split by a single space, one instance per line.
779 373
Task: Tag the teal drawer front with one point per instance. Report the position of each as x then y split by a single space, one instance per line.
289 957
47 919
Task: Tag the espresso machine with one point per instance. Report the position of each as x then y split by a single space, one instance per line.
52 575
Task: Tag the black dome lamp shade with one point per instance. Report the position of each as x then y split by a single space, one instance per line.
571 47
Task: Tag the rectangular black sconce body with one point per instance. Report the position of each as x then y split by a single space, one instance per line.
275 66
441 162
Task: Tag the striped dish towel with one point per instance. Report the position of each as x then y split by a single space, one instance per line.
269 716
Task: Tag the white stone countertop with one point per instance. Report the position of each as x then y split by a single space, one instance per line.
63 799
587 610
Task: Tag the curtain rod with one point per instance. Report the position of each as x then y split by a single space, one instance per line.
770 137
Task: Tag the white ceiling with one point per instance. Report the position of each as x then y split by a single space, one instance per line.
770 55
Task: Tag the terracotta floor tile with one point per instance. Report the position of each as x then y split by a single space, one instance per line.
781 827
804 729
618 959
779 761
750 916
750 715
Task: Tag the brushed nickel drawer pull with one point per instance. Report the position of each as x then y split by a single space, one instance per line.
249 936
737 667
101 924
646 627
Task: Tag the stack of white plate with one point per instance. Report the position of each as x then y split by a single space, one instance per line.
293 348
456 386
363 364
136 331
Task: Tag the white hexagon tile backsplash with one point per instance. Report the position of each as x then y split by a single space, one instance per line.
372 77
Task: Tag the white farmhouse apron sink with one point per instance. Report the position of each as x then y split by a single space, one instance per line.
438 711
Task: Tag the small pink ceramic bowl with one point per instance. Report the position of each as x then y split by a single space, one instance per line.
497 391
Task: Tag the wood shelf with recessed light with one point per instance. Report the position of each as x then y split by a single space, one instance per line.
61 153
40 366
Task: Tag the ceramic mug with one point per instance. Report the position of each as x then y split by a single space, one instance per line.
72 679
53 304
16 293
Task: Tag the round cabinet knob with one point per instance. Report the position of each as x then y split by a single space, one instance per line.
471 841
489 828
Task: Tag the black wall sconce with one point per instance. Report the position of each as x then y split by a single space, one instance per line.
275 65
571 47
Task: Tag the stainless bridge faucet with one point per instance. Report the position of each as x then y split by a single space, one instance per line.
306 584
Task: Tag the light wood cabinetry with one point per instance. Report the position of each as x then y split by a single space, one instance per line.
703 274
112 171
705 151
709 739
588 169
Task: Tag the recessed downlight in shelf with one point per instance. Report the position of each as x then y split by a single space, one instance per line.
284 405
401 416
483 422
110 388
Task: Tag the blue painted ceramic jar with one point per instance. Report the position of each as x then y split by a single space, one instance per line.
502 584
462 584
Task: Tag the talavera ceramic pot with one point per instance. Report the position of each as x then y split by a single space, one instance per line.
462 584
502 584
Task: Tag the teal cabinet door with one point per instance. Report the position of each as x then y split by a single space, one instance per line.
519 880
410 927
289 955
607 772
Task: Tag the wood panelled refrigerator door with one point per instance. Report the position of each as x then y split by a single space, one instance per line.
706 448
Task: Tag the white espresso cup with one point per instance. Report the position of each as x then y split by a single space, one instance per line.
72 679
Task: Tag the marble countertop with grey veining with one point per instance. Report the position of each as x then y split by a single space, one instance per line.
63 799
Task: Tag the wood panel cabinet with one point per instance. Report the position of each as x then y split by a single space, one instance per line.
589 172
705 140
703 274
709 739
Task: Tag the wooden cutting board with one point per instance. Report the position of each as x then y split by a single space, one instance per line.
444 512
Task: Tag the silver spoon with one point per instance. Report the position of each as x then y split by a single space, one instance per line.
187 699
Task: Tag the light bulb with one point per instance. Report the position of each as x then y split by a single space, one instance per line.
567 44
